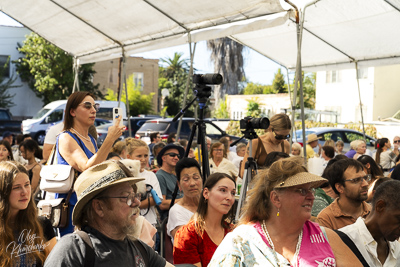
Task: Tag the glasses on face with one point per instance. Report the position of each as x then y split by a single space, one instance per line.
195 177
129 198
89 105
304 192
280 136
360 179
218 150
173 155
396 141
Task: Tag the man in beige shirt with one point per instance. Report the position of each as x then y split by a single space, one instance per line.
350 182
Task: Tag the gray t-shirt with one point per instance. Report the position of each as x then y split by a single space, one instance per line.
167 183
71 251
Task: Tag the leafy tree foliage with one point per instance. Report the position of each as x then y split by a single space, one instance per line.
256 88
5 85
221 111
48 70
309 89
253 108
279 85
138 103
173 76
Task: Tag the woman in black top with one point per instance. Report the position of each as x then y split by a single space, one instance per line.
29 151
25 239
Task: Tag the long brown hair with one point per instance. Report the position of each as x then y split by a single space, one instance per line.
379 150
201 213
73 101
8 146
280 122
258 205
25 220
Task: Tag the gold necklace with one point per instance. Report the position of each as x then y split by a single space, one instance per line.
296 254
86 138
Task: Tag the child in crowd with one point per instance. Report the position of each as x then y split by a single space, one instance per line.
339 147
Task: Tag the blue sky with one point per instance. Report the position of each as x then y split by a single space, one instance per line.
258 69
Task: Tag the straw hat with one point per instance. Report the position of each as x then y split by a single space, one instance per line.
98 178
302 178
312 137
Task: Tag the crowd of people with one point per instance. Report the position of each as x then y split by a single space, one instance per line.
344 212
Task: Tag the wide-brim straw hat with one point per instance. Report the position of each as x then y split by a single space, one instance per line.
98 178
302 178
312 138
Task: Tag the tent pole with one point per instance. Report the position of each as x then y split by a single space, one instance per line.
76 76
187 82
359 96
292 98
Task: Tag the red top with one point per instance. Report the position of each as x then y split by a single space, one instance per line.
191 248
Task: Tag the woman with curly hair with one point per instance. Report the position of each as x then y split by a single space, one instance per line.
196 242
25 239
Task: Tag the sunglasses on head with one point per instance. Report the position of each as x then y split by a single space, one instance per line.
280 136
89 105
173 155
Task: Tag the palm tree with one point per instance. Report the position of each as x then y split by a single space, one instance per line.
175 65
228 61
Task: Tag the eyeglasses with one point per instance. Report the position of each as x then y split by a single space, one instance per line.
280 136
89 105
129 198
173 155
396 141
359 179
218 150
304 192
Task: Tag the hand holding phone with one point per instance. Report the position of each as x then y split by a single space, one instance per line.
117 115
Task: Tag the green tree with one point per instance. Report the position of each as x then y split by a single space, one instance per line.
5 85
256 88
309 89
221 112
173 76
253 108
138 102
228 61
48 70
278 84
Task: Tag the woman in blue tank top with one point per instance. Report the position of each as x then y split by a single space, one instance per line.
76 147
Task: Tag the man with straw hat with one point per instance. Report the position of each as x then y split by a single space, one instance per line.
312 142
105 212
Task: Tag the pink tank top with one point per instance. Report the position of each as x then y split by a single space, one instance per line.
315 249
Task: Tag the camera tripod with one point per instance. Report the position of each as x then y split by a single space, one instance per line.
250 169
202 93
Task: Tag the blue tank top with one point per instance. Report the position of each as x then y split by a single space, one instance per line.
62 161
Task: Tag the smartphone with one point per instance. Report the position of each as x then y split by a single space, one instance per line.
116 113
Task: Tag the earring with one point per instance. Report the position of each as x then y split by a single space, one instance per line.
277 215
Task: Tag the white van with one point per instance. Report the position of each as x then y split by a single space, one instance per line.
53 113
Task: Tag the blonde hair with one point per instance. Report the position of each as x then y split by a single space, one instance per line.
329 142
258 205
132 144
296 146
118 147
280 122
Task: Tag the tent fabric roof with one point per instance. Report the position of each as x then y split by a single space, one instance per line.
336 32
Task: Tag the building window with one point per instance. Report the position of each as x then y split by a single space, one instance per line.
3 68
362 73
333 76
138 80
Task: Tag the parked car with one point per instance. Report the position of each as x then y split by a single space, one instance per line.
346 135
7 123
167 126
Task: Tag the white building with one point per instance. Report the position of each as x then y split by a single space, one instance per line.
379 89
25 100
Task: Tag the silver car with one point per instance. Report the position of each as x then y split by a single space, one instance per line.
346 135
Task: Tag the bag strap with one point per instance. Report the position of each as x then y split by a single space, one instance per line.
52 155
352 246
89 255
143 251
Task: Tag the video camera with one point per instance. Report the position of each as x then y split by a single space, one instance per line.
201 90
254 123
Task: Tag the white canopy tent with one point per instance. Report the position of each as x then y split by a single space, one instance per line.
337 34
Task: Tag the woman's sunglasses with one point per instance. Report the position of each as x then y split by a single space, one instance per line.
281 136
89 105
